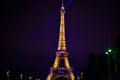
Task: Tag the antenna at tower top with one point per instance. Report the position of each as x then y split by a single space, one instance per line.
62 7
62 3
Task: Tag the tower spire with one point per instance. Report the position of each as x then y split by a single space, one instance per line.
62 3
62 7
62 42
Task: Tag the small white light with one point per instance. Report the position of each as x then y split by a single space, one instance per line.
106 52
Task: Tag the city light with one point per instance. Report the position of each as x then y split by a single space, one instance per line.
109 50
106 52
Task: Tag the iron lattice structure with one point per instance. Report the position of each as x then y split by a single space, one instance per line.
61 66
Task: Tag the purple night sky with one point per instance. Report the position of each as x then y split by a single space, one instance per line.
30 32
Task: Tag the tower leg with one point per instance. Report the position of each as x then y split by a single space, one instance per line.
50 76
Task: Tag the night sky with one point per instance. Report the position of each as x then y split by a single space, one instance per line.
30 31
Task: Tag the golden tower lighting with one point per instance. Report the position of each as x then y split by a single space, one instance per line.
61 66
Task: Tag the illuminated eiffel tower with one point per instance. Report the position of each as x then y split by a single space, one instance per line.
61 66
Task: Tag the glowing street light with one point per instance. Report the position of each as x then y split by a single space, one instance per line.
81 76
30 78
21 76
8 75
106 52
109 50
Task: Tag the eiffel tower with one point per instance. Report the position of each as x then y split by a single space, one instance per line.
61 66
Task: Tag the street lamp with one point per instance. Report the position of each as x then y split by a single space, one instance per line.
30 78
21 76
8 75
108 53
